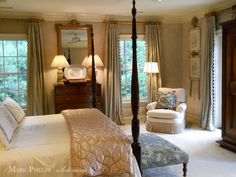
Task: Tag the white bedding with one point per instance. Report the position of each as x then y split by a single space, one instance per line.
40 148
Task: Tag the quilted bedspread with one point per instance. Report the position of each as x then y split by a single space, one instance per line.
98 146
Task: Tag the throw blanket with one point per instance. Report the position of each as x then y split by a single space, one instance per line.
98 146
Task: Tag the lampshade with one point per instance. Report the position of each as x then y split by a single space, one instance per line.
151 67
87 62
59 61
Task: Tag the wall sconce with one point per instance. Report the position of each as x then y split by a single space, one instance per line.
59 62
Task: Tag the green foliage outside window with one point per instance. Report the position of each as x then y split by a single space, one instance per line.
13 70
126 68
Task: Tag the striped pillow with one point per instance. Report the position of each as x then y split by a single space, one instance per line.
8 125
14 109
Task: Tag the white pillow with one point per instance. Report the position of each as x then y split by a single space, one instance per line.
8 125
14 108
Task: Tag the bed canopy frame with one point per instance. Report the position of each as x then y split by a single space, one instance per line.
134 88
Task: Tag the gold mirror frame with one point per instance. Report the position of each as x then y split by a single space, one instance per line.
73 25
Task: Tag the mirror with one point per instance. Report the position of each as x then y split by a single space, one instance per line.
74 41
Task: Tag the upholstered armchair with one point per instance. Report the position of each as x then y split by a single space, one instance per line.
165 120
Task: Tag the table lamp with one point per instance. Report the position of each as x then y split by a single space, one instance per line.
59 62
87 62
151 67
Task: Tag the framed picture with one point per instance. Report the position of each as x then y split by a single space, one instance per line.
195 39
195 68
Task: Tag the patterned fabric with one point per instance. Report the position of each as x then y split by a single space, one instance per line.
166 100
98 145
158 152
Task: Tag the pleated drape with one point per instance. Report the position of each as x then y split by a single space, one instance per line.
112 84
36 98
208 78
152 37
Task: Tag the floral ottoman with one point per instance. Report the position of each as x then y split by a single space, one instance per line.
158 152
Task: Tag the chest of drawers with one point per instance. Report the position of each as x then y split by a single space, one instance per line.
74 96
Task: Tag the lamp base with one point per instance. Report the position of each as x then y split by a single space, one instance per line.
60 76
90 73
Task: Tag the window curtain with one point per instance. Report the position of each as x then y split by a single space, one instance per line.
112 85
208 77
152 37
36 99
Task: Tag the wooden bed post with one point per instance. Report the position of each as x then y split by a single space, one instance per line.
94 84
135 93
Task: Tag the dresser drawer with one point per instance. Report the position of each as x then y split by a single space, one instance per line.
74 96
79 90
60 99
61 107
73 90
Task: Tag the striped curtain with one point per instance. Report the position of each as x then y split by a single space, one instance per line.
208 77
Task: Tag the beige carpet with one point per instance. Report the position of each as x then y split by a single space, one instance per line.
207 158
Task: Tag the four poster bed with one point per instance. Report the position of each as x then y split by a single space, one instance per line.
81 142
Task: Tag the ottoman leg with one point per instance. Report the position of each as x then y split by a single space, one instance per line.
185 169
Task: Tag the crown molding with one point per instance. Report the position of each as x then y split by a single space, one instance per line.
88 17
214 8
82 17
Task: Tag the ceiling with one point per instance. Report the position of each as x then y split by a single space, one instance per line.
96 9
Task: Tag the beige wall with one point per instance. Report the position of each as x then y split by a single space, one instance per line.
50 50
171 39
193 101
13 27
171 55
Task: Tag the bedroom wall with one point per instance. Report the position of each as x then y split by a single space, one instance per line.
194 103
171 53
13 27
50 50
171 57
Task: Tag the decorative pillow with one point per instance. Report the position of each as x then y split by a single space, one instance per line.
166 100
14 108
8 125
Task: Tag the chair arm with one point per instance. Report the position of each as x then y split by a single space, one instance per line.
181 108
151 106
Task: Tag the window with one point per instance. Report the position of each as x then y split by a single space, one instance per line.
218 78
13 69
126 51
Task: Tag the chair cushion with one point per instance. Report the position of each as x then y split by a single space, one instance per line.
163 114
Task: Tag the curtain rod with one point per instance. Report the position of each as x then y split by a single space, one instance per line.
22 19
130 22
220 11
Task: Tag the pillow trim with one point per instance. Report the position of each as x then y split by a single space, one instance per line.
10 111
